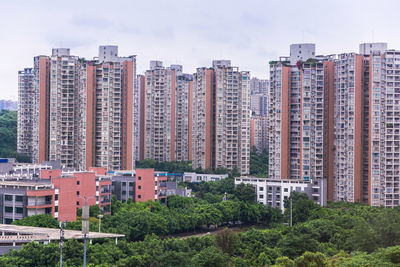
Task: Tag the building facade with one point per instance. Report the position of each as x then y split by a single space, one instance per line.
140 185
166 113
259 133
26 96
221 118
84 111
274 192
55 192
300 117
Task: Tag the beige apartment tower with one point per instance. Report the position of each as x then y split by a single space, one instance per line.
165 113
221 118
83 110
26 94
300 126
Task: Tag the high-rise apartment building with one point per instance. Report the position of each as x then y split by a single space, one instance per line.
258 86
26 95
349 117
366 135
259 133
41 109
183 116
384 128
84 110
109 103
221 117
300 124
258 96
166 106
159 114
63 109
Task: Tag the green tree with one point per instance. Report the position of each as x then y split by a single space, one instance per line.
226 240
44 220
210 256
302 207
364 237
8 136
299 240
33 254
259 163
245 192
310 259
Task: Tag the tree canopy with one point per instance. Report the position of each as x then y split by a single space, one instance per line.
341 234
8 136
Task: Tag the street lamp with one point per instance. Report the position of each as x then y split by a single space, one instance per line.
100 216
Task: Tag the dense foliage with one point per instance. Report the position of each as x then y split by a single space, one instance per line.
181 167
341 234
8 136
259 163
319 242
174 166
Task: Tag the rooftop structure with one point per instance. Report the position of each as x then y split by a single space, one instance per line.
14 236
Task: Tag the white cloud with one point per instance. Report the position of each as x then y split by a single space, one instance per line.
192 33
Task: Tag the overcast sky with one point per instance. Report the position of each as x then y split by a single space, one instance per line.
191 33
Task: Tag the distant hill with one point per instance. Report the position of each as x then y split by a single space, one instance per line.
8 136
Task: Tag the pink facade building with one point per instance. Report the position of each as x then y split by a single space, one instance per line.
57 193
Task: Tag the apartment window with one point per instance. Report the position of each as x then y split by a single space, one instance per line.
140 178
19 198
77 193
8 221
8 197
19 210
261 196
8 209
286 190
261 188
155 192
77 182
56 209
139 196
77 203
139 187
56 197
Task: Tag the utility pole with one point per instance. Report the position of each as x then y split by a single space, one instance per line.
62 226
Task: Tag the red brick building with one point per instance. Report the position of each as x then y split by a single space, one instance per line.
57 193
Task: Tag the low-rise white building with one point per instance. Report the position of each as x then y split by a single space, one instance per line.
198 177
273 192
